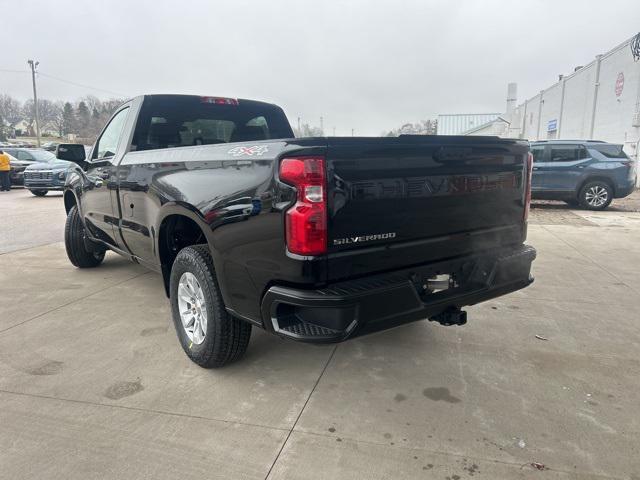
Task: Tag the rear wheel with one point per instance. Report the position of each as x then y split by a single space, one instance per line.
77 245
596 195
39 193
209 335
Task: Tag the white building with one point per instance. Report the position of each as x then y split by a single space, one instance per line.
600 101
458 123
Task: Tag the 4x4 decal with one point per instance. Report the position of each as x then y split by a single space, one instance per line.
253 151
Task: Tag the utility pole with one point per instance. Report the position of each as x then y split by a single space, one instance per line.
334 131
299 132
352 132
34 66
321 126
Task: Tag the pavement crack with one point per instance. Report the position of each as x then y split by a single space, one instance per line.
141 410
286 440
591 260
27 248
35 317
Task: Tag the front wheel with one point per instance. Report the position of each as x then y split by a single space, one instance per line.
596 195
209 335
39 193
75 242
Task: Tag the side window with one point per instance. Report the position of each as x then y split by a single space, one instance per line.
107 145
22 155
538 153
567 153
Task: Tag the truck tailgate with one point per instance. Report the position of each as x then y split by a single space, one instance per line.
396 202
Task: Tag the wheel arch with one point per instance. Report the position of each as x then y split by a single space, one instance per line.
70 200
178 226
596 178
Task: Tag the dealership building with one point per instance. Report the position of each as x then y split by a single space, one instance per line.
597 101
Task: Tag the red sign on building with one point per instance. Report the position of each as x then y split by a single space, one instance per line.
619 84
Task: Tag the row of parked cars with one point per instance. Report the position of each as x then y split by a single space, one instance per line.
587 173
37 169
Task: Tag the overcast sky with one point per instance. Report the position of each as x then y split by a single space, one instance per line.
367 65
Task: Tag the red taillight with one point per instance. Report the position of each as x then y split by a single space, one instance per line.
306 221
527 197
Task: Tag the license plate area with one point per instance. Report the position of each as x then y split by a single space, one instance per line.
454 278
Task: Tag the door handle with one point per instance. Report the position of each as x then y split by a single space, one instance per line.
536 168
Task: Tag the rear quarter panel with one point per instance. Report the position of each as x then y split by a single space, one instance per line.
235 198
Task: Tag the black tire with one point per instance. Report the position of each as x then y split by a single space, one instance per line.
74 242
596 195
39 193
226 337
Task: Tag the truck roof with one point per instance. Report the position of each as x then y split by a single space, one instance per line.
167 96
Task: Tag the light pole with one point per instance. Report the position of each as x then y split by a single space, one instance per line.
34 66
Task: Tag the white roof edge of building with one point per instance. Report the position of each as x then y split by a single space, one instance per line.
485 124
584 67
466 114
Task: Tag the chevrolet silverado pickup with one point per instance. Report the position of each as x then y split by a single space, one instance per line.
312 239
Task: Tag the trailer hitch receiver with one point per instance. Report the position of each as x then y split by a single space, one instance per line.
451 316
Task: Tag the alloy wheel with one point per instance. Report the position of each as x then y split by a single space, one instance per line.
596 196
192 307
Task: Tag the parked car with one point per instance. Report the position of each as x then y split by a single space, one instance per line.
40 177
588 173
25 157
312 239
50 146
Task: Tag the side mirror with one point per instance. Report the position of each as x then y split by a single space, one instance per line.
71 152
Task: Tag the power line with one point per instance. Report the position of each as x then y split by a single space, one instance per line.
81 85
8 70
63 80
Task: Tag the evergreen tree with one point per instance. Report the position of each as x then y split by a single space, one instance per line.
82 116
68 119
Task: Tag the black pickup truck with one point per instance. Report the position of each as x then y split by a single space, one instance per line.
314 239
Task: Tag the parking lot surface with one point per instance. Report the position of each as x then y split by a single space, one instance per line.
542 383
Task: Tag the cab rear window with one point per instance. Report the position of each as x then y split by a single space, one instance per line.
181 121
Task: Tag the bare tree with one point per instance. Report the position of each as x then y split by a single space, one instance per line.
10 114
58 119
49 112
423 127
307 130
85 120
92 102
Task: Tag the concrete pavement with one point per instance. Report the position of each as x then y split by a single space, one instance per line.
93 383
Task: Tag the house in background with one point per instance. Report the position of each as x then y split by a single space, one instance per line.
21 129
